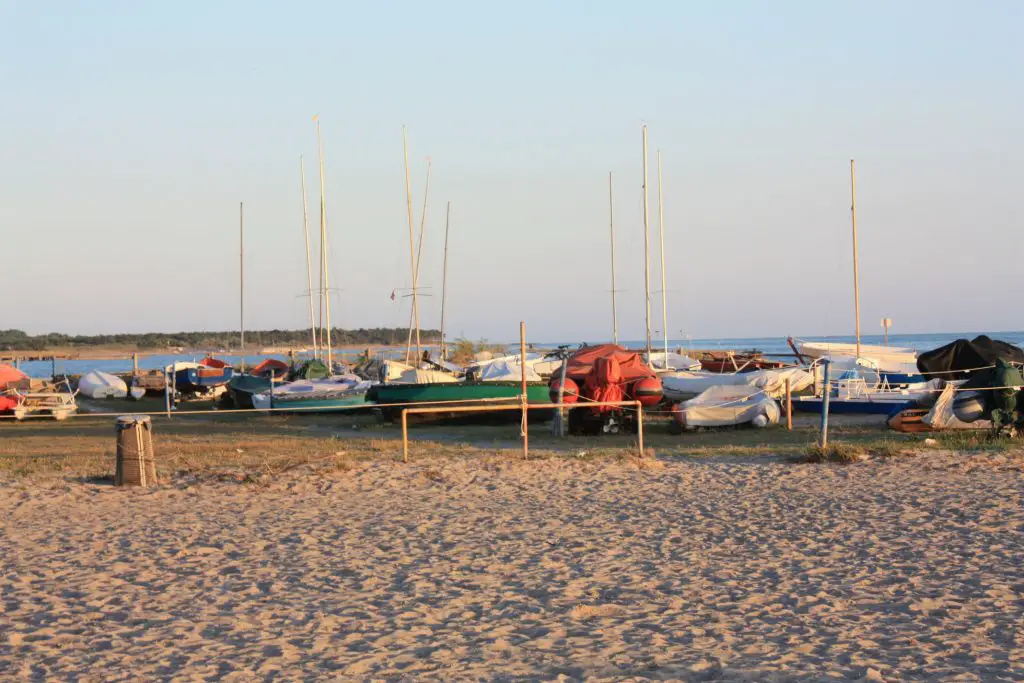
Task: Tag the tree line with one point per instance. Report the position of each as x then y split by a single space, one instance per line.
11 340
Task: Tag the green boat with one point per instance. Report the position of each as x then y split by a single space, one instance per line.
241 389
453 392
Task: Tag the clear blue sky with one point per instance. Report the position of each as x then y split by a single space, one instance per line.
130 131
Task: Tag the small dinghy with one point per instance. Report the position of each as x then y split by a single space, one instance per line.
339 392
98 384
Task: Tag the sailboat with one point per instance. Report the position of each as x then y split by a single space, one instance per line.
320 394
862 378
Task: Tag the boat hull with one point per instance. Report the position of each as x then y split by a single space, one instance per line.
310 405
387 395
812 404
201 380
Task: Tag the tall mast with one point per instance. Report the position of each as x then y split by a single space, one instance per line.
419 256
309 271
856 271
241 282
661 230
412 247
324 248
647 254
611 229
444 278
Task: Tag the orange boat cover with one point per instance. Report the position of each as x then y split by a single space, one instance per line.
631 365
212 362
8 374
271 367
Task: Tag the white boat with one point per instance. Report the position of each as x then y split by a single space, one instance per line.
504 371
315 395
661 361
722 406
97 384
539 363
897 354
679 386
137 393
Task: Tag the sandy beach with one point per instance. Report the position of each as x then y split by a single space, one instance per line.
727 568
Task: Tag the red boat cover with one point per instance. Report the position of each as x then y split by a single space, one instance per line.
8 403
605 371
271 367
212 362
631 365
9 373
604 383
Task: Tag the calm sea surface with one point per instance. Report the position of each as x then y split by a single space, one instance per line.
768 345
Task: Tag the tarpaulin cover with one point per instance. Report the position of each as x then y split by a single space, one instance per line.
311 369
684 385
604 384
271 367
952 360
631 366
9 373
724 405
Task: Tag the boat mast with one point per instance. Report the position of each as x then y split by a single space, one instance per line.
856 271
309 272
412 249
444 278
611 229
241 283
661 229
325 279
647 252
419 256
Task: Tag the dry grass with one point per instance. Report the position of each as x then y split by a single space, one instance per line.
252 449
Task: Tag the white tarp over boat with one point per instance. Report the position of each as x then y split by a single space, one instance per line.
503 371
953 409
660 360
97 384
417 376
537 362
684 385
337 386
721 406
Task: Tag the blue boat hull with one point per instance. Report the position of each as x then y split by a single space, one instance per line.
189 381
808 404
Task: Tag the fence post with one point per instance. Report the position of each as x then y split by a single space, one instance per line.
826 394
789 406
640 427
405 436
522 374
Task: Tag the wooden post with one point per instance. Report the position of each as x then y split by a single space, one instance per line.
405 436
789 406
522 374
640 427
825 396
135 364
167 392
53 366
